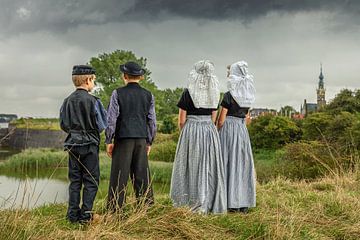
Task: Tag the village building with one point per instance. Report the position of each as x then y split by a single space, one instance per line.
307 108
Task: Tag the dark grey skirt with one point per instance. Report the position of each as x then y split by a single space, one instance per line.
198 179
239 163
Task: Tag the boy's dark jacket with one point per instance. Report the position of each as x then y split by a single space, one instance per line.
83 117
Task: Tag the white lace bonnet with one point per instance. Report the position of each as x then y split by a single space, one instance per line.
241 84
204 85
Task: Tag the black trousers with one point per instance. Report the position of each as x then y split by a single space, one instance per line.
83 172
129 159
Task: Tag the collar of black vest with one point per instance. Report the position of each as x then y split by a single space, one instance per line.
133 84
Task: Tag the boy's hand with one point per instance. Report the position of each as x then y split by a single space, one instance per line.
109 149
148 148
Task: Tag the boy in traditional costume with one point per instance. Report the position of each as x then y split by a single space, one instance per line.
129 135
83 117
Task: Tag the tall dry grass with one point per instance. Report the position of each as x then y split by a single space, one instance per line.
323 209
327 207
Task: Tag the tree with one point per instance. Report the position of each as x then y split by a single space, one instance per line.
346 100
108 76
287 111
169 99
169 124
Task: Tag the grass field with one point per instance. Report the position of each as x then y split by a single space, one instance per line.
325 208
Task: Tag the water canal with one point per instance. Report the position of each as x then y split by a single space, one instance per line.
46 186
31 189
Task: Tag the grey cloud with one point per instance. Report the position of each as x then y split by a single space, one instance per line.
19 16
283 50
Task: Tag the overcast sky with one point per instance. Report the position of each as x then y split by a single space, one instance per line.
283 42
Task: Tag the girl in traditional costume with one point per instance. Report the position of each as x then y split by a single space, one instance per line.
198 179
235 141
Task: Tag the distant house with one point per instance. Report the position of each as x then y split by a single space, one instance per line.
256 112
3 123
5 119
307 108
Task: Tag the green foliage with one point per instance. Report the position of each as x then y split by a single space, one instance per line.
341 129
109 77
33 159
163 152
354 132
267 164
273 131
347 100
302 160
287 110
160 172
167 99
102 145
314 159
163 148
316 124
169 124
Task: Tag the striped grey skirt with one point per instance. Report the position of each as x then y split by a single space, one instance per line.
239 163
198 179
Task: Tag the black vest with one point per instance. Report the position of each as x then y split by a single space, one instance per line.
134 105
79 119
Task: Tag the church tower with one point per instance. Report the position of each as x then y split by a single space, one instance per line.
321 102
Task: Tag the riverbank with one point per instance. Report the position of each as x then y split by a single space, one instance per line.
30 161
34 162
326 208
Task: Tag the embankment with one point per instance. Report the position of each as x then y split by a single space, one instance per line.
21 138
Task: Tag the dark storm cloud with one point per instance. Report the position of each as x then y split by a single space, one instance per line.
18 16
236 9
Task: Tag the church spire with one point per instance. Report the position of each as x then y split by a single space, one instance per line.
321 91
321 78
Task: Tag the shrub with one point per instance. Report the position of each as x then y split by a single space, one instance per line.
271 132
162 137
314 125
169 124
341 130
312 159
164 151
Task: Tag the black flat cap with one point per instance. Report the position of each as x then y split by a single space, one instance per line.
132 68
83 70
